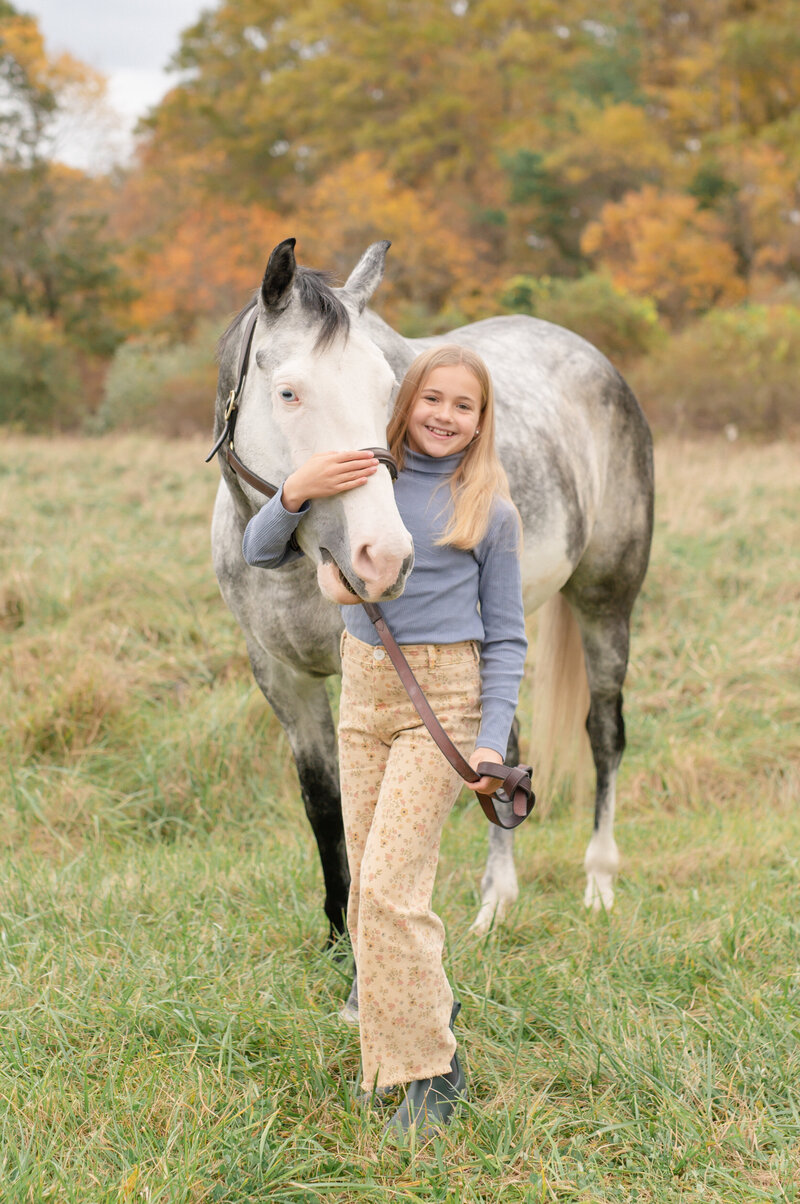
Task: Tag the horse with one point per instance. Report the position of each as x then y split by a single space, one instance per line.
322 374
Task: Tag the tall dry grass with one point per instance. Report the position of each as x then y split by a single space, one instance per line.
168 1025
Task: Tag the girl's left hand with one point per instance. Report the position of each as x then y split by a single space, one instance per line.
485 785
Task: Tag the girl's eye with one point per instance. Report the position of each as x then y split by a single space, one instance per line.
288 396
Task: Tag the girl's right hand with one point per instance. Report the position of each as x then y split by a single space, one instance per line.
326 474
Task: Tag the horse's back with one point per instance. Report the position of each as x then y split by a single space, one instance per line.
575 445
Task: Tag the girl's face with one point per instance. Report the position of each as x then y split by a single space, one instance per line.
446 412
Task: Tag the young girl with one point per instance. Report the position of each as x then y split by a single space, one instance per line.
461 625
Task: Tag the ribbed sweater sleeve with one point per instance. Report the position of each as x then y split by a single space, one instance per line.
266 537
504 643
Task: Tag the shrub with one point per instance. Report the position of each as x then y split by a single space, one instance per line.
734 368
163 387
620 325
40 381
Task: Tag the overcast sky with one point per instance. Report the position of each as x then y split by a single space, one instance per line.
131 43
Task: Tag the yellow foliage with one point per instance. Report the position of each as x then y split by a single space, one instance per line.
22 41
663 246
608 141
359 203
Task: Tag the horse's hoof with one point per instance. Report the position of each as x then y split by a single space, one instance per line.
490 915
349 1011
599 893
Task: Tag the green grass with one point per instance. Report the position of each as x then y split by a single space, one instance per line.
168 1022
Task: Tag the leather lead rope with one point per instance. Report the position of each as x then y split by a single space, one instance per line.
516 789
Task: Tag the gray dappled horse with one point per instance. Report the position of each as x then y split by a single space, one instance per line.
323 373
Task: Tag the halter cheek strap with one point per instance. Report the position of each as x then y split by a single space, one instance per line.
231 413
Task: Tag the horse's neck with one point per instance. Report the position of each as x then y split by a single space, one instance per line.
398 351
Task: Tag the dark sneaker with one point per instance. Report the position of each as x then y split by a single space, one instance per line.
429 1104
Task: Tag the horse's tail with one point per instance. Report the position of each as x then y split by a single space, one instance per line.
559 745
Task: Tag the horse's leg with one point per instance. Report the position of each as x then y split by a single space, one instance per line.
300 702
499 883
605 643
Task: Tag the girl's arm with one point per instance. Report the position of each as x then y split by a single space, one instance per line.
267 535
504 643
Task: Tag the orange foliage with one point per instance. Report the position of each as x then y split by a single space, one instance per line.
764 216
359 203
663 246
207 266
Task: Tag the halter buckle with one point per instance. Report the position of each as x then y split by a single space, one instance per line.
231 404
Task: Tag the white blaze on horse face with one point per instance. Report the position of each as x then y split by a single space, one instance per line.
337 399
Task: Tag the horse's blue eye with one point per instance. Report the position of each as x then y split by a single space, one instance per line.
288 395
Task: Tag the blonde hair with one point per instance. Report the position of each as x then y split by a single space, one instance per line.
479 477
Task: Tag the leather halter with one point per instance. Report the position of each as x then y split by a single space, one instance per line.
231 413
516 789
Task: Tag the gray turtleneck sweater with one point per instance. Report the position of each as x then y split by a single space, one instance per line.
451 594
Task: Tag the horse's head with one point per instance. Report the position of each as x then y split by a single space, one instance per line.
317 383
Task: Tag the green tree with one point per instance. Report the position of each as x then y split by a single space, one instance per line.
56 257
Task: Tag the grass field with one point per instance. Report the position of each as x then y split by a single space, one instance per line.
168 1022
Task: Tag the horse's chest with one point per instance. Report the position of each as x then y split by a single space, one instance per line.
297 625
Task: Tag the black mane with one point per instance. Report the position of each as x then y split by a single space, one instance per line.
315 293
318 297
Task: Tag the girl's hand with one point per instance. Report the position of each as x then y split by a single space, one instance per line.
485 785
326 474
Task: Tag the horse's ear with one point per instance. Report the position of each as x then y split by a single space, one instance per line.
279 276
367 274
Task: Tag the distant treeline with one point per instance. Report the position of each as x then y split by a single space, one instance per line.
630 171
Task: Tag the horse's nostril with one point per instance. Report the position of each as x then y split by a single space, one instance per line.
377 567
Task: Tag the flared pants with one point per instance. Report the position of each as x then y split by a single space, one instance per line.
397 791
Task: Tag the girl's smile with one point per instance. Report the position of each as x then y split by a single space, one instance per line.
445 414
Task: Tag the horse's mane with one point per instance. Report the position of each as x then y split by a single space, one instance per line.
316 295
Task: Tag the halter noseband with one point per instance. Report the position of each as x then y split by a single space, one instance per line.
232 409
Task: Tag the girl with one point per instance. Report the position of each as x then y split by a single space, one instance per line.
461 625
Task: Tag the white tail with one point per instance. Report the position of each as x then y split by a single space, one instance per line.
559 750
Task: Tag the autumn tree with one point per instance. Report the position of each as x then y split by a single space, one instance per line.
359 202
56 259
662 245
206 265
515 121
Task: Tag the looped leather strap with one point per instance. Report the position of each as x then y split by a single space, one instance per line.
517 788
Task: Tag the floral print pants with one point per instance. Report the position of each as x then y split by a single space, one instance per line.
397 791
